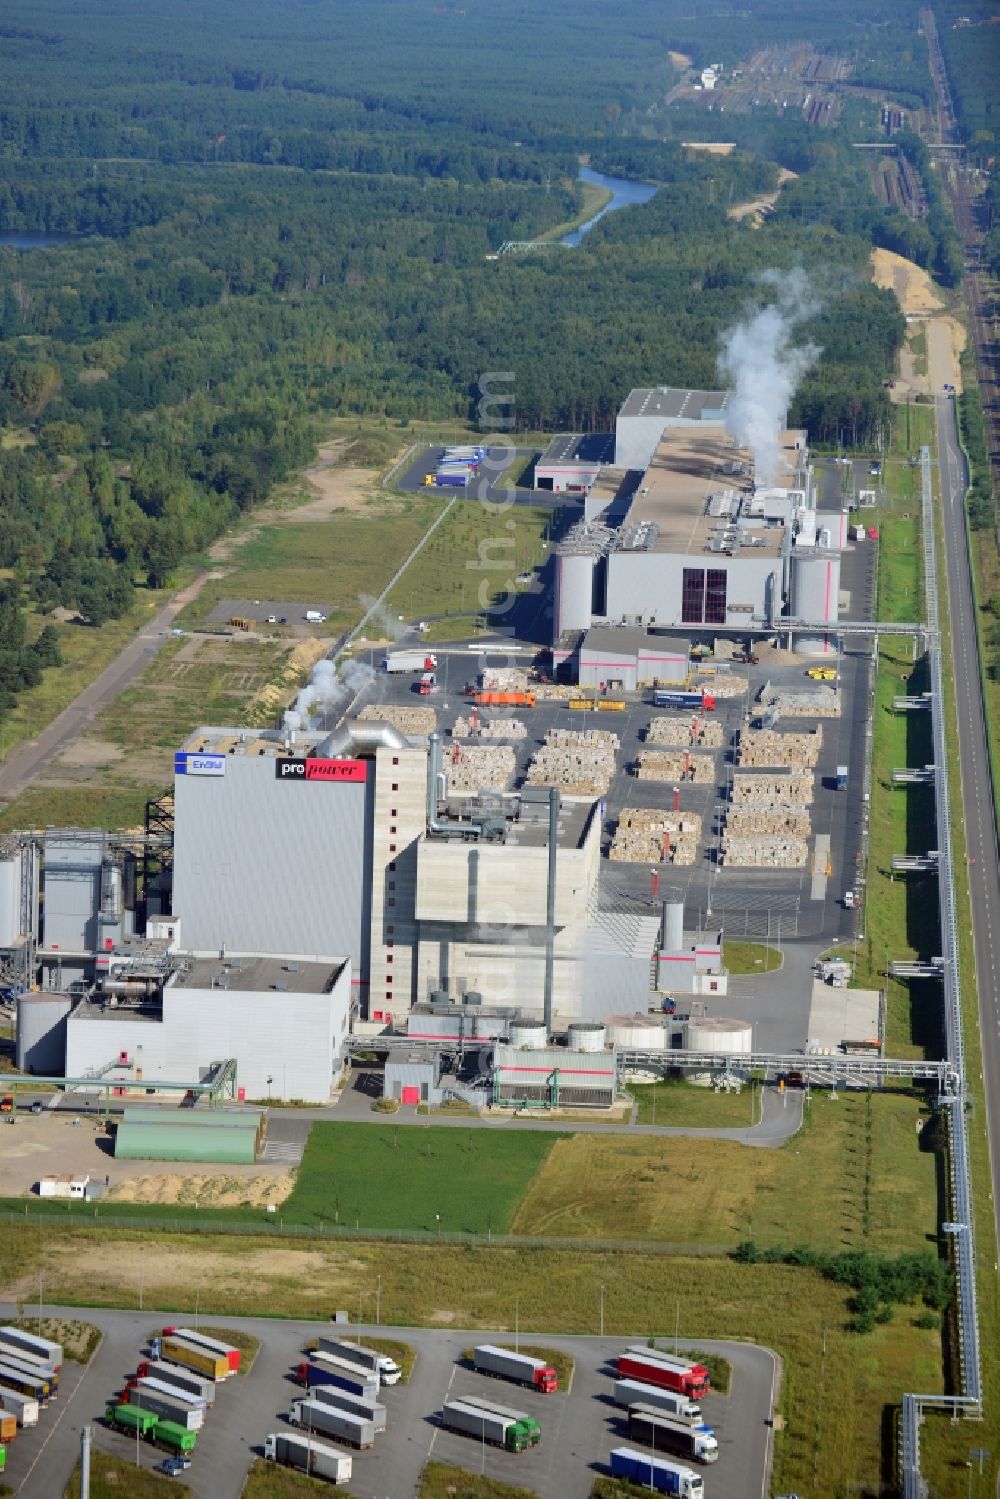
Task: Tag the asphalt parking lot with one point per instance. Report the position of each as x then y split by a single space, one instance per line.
268 611
490 485
579 1427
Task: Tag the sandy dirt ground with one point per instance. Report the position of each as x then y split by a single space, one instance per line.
923 306
755 207
335 488
52 1144
680 59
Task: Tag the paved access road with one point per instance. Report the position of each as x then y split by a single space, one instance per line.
977 783
579 1427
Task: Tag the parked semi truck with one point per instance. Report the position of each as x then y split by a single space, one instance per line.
174 1436
145 1423
665 697
504 1363
8 1425
842 776
184 1379
228 1351
29 1342
315 1415
33 1368
3 1459
307 1456
28 1384
656 1473
24 1407
400 661
653 1367
628 1392
177 1350
385 1367
165 1402
529 1423
485 1426
327 1368
668 1434
329 1394
486 699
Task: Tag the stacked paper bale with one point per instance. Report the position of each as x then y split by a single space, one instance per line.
767 747
496 728
675 765
412 721
684 733
479 767
648 835
503 679
581 764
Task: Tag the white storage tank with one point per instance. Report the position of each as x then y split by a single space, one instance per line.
719 1034
586 1035
638 1032
815 588
41 1033
527 1036
10 897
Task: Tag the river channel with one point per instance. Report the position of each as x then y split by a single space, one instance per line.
625 194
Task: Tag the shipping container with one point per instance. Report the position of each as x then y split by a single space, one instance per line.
504 1363
345 1426
629 1392
30 1342
307 1456
343 1400
24 1407
665 1433
656 1474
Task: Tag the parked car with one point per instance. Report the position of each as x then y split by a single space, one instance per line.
171 1466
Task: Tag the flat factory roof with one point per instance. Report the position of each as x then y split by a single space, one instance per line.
249 742
670 401
582 448
631 640
690 465
255 975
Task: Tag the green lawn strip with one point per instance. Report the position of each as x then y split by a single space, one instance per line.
442 1481
751 957
562 1363
114 1478
248 1345
79 1340
69 807
431 1178
557 1292
472 560
267 1480
404 1354
674 1102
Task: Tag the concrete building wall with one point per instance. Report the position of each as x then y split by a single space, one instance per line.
400 819
597 666
293 1039
574 593
72 894
497 885
646 586
270 865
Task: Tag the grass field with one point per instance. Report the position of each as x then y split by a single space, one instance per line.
471 560
813 1191
442 1481
429 1178
269 1481
80 1340
679 1103
558 1292
752 957
329 562
113 1478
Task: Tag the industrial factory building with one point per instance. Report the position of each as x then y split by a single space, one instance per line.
573 461
701 549
647 414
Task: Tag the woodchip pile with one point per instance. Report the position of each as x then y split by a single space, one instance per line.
768 747
579 763
818 702
764 790
407 720
497 728
554 692
504 679
675 765
700 733
647 835
481 767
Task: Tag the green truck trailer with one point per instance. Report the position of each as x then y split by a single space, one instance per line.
153 1428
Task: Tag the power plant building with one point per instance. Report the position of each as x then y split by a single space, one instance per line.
647 414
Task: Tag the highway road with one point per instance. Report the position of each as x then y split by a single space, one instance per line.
977 785
579 1427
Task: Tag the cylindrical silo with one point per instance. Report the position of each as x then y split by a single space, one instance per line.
41 1033
730 1037
586 1035
575 592
673 925
637 1032
527 1035
10 898
815 588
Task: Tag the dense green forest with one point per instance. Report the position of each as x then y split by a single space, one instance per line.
268 223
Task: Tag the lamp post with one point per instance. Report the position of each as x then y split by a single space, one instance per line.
602 1311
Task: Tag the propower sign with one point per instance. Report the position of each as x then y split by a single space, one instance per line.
186 764
321 770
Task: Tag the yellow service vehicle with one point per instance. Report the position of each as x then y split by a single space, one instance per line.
822 673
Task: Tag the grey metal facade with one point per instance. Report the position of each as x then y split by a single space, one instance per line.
264 865
646 587
72 893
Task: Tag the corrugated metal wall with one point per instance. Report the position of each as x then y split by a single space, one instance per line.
72 886
270 866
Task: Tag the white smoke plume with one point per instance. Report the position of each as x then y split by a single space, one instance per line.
328 690
762 368
391 627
